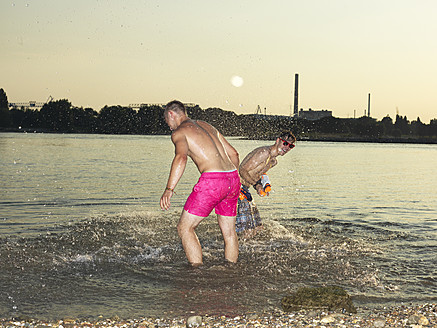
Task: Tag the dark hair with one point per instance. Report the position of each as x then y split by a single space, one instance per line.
175 106
288 135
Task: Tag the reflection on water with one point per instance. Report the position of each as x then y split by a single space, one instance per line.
81 232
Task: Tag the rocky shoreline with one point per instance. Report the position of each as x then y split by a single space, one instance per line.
403 316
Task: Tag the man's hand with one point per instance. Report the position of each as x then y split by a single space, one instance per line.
260 190
165 199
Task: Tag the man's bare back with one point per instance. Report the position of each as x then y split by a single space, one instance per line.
206 146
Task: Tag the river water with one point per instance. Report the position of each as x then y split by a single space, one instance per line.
82 234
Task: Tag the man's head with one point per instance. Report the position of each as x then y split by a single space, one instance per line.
285 142
173 111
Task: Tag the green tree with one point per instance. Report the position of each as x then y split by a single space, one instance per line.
118 120
331 125
151 120
3 99
85 120
432 128
5 116
17 117
418 128
366 127
402 125
57 116
387 125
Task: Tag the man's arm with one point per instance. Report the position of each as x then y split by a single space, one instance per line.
177 167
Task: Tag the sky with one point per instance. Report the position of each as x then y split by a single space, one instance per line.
101 52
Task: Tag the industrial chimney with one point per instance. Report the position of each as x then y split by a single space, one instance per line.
296 88
368 106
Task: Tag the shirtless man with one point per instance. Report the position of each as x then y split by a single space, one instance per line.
218 186
252 169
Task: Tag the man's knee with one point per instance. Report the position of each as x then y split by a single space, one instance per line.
188 223
183 228
179 228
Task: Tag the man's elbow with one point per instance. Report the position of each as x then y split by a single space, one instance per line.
181 158
234 153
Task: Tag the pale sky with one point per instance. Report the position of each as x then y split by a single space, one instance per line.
100 52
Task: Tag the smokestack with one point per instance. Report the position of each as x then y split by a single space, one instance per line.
296 88
368 106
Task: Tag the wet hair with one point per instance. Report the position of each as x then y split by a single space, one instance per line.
287 135
175 106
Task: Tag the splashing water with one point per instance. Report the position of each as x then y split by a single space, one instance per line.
324 224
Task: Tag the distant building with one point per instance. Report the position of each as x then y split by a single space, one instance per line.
270 117
314 115
26 105
138 106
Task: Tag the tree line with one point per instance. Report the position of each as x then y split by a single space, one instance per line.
61 116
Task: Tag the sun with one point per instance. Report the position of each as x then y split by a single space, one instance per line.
237 81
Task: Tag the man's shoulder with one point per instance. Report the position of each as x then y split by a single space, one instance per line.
255 156
204 124
179 134
184 128
263 150
187 125
193 130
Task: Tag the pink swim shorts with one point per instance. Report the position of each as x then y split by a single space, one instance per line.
219 190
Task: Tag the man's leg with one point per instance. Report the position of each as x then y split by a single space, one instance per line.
186 230
227 226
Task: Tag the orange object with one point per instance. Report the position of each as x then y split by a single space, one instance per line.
267 188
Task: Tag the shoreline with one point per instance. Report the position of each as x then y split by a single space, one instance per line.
352 139
399 316
422 141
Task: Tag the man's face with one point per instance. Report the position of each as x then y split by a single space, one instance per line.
285 145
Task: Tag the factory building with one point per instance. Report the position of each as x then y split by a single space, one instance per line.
310 115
